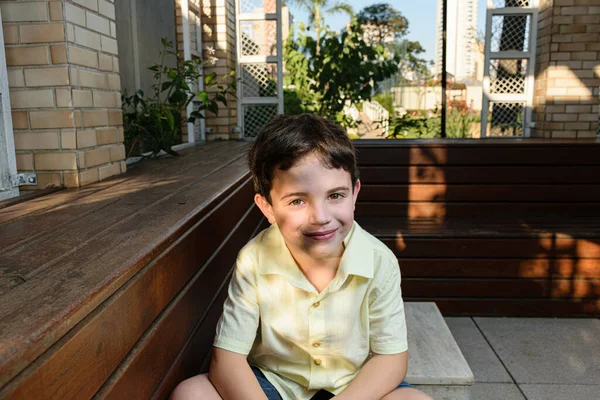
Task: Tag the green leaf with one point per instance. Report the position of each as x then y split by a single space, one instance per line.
222 99
170 119
210 78
178 97
203 96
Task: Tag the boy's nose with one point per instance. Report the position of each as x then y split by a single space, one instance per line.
319 215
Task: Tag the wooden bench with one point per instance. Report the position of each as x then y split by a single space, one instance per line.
494 227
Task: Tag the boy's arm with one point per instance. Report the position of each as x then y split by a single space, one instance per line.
232 376
387 331
378 377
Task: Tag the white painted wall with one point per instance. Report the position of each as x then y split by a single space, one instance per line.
8 162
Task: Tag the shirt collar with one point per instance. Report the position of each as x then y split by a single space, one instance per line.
275 258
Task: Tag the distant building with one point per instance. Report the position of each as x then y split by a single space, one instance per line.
461 44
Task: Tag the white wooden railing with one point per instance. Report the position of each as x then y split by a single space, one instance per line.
377 114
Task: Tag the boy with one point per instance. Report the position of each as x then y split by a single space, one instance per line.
314 307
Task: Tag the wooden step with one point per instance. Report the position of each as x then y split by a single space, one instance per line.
436 364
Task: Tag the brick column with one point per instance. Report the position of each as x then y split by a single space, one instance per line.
567 69
64 89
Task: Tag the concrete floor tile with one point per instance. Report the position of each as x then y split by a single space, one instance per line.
484 363
560 392
545 350
496 391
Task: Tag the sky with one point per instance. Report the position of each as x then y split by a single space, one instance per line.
420 14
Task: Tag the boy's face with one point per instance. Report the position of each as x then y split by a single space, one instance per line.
313 207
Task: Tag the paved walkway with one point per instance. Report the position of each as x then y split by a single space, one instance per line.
531 358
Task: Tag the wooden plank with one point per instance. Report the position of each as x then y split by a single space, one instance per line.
525 154
195 356
87 277
9 282
33 255
507 227
77 365
486 288
34 225
28 196
493 248
146 365
450 175
516 307
574 268
478 143
480 193
424 209
190 156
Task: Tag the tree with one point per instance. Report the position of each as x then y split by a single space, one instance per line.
317 9
346 71
382 23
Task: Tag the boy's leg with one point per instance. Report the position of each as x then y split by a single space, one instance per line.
196 387
406 394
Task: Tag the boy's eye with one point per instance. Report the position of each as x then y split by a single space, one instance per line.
296 202
336 196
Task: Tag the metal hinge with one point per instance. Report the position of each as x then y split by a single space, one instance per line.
23 179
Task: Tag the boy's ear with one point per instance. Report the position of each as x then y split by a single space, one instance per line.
355 192
265 207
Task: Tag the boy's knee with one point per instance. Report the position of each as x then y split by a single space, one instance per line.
194 388
407 394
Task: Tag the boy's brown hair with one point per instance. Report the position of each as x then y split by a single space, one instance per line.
286 139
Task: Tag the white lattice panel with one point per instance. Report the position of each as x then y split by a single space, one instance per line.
259 38
259 80
506 119
257 6
511 3
260 91
508 76
510 33
256 117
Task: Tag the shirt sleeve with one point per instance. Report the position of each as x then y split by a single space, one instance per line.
387 324
237 328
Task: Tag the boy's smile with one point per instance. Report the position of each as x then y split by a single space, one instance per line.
313 206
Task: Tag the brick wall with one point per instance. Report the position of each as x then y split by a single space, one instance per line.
64 84
218 32
567 69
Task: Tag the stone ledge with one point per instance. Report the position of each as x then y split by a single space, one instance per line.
435 363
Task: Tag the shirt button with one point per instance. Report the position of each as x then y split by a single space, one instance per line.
316 304
317 343
318 361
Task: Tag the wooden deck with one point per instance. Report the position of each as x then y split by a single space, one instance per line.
123 281
100 283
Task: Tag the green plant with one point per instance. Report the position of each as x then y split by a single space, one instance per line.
386 101
458 125
324 82
153 123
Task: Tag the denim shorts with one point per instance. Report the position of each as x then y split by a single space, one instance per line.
273 394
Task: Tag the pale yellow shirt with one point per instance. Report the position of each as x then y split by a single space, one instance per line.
303 340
